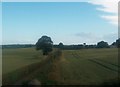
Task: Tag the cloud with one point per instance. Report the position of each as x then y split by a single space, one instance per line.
93 38
90 38
111 19
110 38
85 35
108 6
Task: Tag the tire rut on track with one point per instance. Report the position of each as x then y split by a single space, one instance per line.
75 54
99 62
107 62
94 61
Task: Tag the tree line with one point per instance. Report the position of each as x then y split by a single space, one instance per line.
101 44
46 45
17 46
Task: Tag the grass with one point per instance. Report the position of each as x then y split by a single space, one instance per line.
84 66
13 59
73 67
40 70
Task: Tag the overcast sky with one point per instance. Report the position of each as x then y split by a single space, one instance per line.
69 22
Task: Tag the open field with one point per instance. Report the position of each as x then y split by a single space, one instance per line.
89 66
83 67
13 59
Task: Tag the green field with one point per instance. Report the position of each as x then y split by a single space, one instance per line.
89 66
83 67
13 59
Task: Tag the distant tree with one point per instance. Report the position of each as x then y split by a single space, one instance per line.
102 44
113 44
84 44
61 45
118 42
45 44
